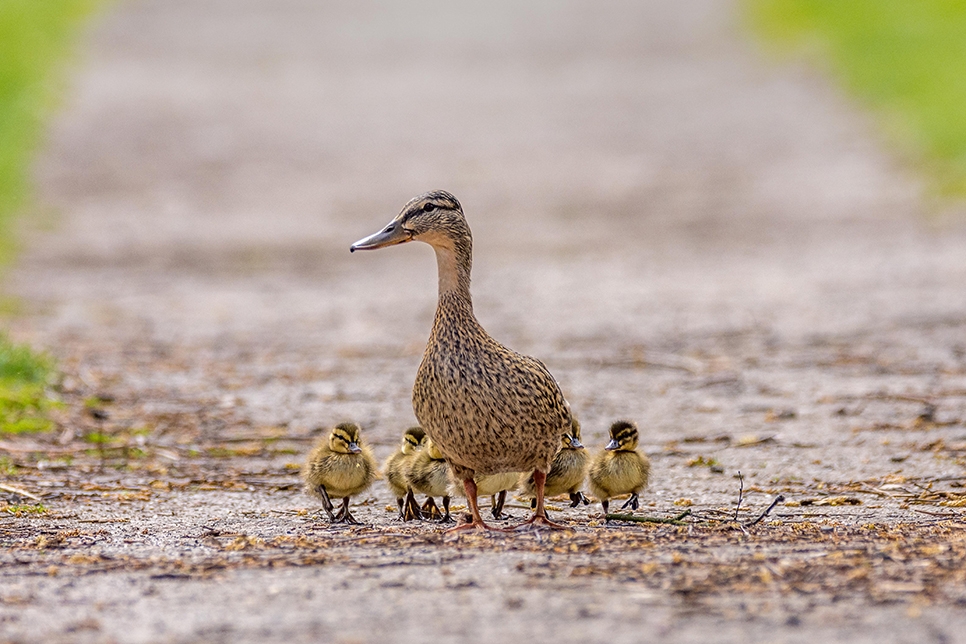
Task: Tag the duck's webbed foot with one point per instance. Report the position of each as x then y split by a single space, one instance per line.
576 498
632 502
477 521
326 502
409 509
498 502
344 516
539 520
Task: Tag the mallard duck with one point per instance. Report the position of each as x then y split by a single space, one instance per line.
566 473
339 467
487 408
494 486
413 439
428 473
619 469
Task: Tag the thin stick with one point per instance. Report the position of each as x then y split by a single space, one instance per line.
19 491
778 499
741 490
635 519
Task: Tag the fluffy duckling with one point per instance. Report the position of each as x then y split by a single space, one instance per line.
619 469
413 440
566 473
338 468
427 473
494 486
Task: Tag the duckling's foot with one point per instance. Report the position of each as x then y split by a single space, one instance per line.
344 516
430 509
631 502
409 509
498 501
326 502
446 518
576 498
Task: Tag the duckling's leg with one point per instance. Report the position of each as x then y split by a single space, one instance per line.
430 508
344 515
411 507
446 517
477 523
498 502
632 502
399 504
576 498
539 518
326 502
605 503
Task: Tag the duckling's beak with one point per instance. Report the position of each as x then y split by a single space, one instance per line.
354 448
392 234
575 444
612 445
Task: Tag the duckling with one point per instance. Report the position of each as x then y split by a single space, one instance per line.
488 409
619 469
338 468
413 439
428 473
566 473
494 486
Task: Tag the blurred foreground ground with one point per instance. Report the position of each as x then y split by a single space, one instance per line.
687 236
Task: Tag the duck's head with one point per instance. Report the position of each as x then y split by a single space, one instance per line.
571 439
623 436
434 217
345 439
413 439
433 451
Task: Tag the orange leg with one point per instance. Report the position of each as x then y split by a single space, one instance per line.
539 518
477 523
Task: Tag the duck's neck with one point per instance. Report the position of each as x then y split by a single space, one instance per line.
454 260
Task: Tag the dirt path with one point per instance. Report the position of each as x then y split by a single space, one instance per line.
687 237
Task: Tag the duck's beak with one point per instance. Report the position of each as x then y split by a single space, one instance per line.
392 234
575 444
354 448
612 445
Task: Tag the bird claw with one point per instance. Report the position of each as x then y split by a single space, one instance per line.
632 502
535 523
576 498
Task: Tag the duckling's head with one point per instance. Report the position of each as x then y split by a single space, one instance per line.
432 451
623 436
413 439
434 217
345 439
571 439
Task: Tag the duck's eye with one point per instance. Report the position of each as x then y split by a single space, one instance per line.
428 207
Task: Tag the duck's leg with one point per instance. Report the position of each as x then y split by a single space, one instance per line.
411 507
498 502
477 523
632 502
539 518
326 502
576 498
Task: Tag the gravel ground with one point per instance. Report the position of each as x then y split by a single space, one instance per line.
685 233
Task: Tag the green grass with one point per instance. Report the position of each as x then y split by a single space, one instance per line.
36 37
906 59
24 379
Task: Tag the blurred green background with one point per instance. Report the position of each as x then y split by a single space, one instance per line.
36 37
904 59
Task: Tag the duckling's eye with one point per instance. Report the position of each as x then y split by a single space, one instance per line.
428 207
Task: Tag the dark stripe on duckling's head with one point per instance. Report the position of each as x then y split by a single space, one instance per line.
345 438
623 435
414 436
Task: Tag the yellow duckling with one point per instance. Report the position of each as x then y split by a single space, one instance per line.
427 473
566 473
619 469
338 468
413 440
494 486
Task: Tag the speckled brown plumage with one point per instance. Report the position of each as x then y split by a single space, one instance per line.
567 472
487 408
